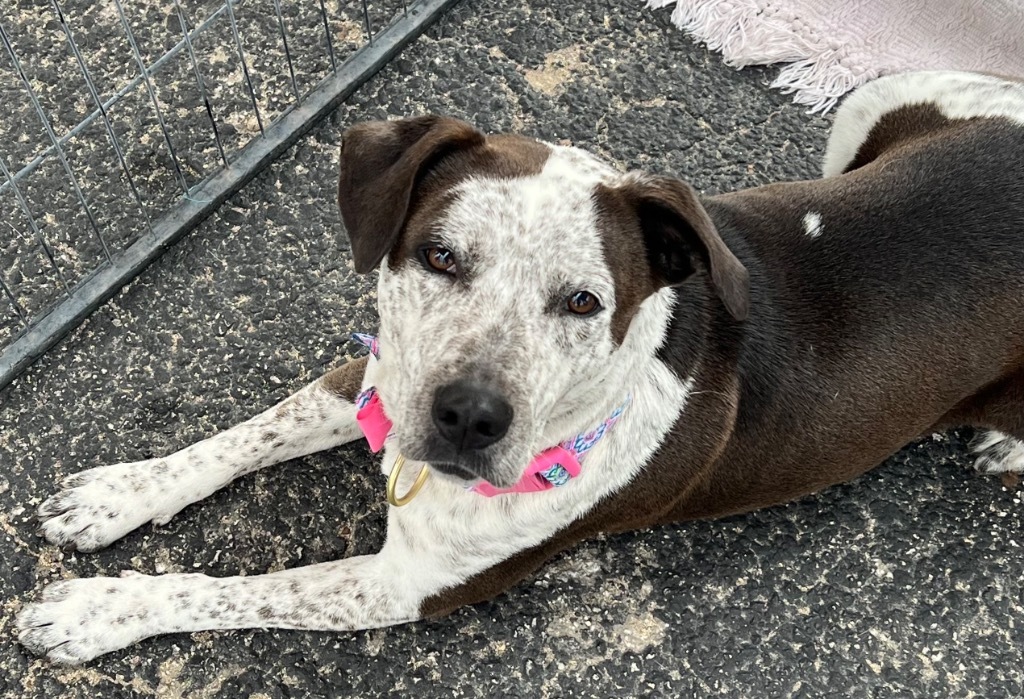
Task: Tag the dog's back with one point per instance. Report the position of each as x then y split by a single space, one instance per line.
887 298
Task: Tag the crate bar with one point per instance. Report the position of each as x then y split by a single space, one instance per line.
41 113
245 67
40 238
102 109
327 35
117 96
22 316
199 79
366 21
211 193
287 52
152 95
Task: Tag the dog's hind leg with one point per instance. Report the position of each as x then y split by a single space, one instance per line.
997 452
998 413
100 505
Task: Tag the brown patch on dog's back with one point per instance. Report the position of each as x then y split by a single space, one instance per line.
896 128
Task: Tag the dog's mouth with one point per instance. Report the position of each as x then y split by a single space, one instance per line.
465 468
454 471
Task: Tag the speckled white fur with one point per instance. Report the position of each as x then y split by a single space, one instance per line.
515 239
957 95
98 506
529 238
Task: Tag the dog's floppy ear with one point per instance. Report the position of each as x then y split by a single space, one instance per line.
381 162
677 231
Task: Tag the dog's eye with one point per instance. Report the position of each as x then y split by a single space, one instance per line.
583 303
439 259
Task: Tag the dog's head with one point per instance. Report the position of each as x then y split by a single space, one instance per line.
510 273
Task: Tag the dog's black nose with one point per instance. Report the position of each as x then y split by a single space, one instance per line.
471 415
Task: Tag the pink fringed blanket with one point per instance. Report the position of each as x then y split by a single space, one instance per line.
833 46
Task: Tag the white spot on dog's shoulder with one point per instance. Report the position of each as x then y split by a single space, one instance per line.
812 224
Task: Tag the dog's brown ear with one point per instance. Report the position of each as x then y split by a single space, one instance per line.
677 232
381 163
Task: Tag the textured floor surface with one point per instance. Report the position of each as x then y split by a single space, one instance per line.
906 582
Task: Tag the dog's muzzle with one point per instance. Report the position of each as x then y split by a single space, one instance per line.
470 416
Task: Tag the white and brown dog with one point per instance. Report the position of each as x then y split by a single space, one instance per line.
615 349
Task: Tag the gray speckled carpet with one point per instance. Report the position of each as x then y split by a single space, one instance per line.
906 582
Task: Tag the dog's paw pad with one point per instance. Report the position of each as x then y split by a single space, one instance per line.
998 453
98 506
76 620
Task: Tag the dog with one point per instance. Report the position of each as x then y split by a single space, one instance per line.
565 349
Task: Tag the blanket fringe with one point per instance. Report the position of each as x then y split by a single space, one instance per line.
757 32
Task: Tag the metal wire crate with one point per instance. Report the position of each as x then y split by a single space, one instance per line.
127 122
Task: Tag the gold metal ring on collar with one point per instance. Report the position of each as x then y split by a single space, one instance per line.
396 470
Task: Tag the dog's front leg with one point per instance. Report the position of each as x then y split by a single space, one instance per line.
434 560
77 620
100 505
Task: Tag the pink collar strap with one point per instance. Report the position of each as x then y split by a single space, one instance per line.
552 468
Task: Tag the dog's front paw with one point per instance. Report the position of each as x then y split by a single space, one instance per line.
99 506
76 620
